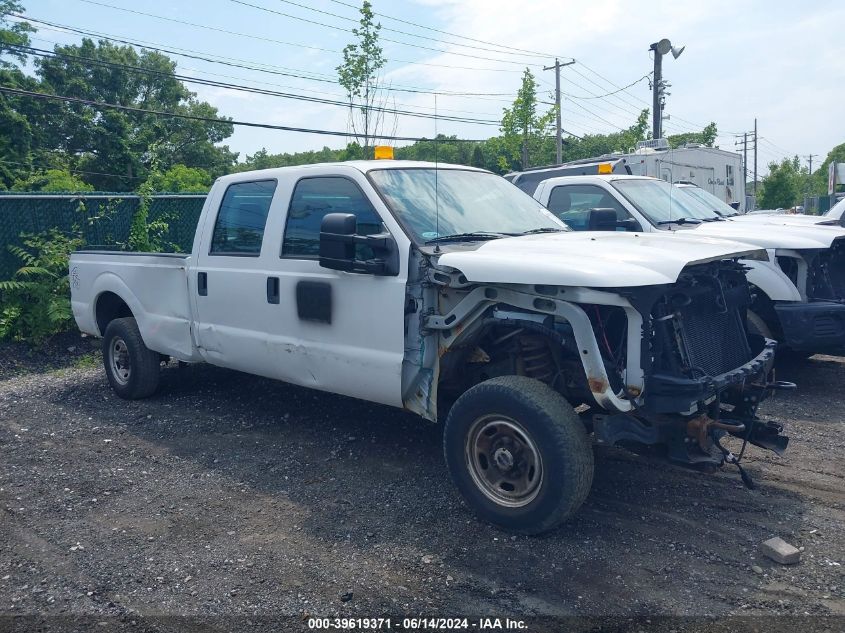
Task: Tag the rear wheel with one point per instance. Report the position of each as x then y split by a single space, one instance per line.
518 454
131 368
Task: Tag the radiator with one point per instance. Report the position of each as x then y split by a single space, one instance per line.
712 342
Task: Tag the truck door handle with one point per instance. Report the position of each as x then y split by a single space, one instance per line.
272 290
202 284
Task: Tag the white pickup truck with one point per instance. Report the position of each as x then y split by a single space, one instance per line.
799 288
448 292
835 216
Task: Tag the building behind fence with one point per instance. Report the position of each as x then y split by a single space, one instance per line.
102 218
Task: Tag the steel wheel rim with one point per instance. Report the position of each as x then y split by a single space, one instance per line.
503 461
119 361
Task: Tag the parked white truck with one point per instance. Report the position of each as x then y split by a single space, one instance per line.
799 288
448 292
835 216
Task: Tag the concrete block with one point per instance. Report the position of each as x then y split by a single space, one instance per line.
780 551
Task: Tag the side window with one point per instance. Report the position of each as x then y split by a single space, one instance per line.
239 228
315 197
572 203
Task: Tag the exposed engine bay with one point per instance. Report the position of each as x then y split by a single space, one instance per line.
668 365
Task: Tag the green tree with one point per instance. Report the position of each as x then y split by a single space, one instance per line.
180 179
443 149
54 181
706 137
784 185
114 146
818 179
12 34
525 130
15 130
262 159
359 76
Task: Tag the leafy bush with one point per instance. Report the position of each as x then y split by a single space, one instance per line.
146 236
36 301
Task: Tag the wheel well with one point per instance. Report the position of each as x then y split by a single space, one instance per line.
764 307
110 307
504 348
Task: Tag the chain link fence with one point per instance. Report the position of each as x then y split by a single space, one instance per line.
103 219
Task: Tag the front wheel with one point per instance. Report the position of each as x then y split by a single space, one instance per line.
132 369
518 454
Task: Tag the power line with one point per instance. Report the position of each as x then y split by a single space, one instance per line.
73 171
617 88
598 105
193 117
778 147
463 37
385 39
275 41
247 64
590 127
631 94
243 88
608 94
409 34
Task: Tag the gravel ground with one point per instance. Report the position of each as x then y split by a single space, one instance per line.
231 495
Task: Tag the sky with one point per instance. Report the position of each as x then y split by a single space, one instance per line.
781 62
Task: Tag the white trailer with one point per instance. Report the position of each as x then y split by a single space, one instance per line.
714 170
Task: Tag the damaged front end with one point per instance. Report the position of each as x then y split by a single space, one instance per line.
670 365
705 374
816 324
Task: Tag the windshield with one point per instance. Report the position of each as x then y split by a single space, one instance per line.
467 202
836 210
661 202
707 198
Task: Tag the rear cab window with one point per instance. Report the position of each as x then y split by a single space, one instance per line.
241 218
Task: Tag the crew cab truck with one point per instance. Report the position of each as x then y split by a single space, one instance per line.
799 288
447 292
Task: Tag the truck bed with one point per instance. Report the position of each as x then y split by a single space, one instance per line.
153 285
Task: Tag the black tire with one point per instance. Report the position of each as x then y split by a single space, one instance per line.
551 430
132 369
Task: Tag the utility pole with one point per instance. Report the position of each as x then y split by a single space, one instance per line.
558 128
657 95
744 162
755 159
746 137
810 158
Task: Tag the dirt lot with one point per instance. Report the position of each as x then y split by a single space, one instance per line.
227 494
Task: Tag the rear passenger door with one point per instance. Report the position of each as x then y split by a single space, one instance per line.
572 203
231 285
